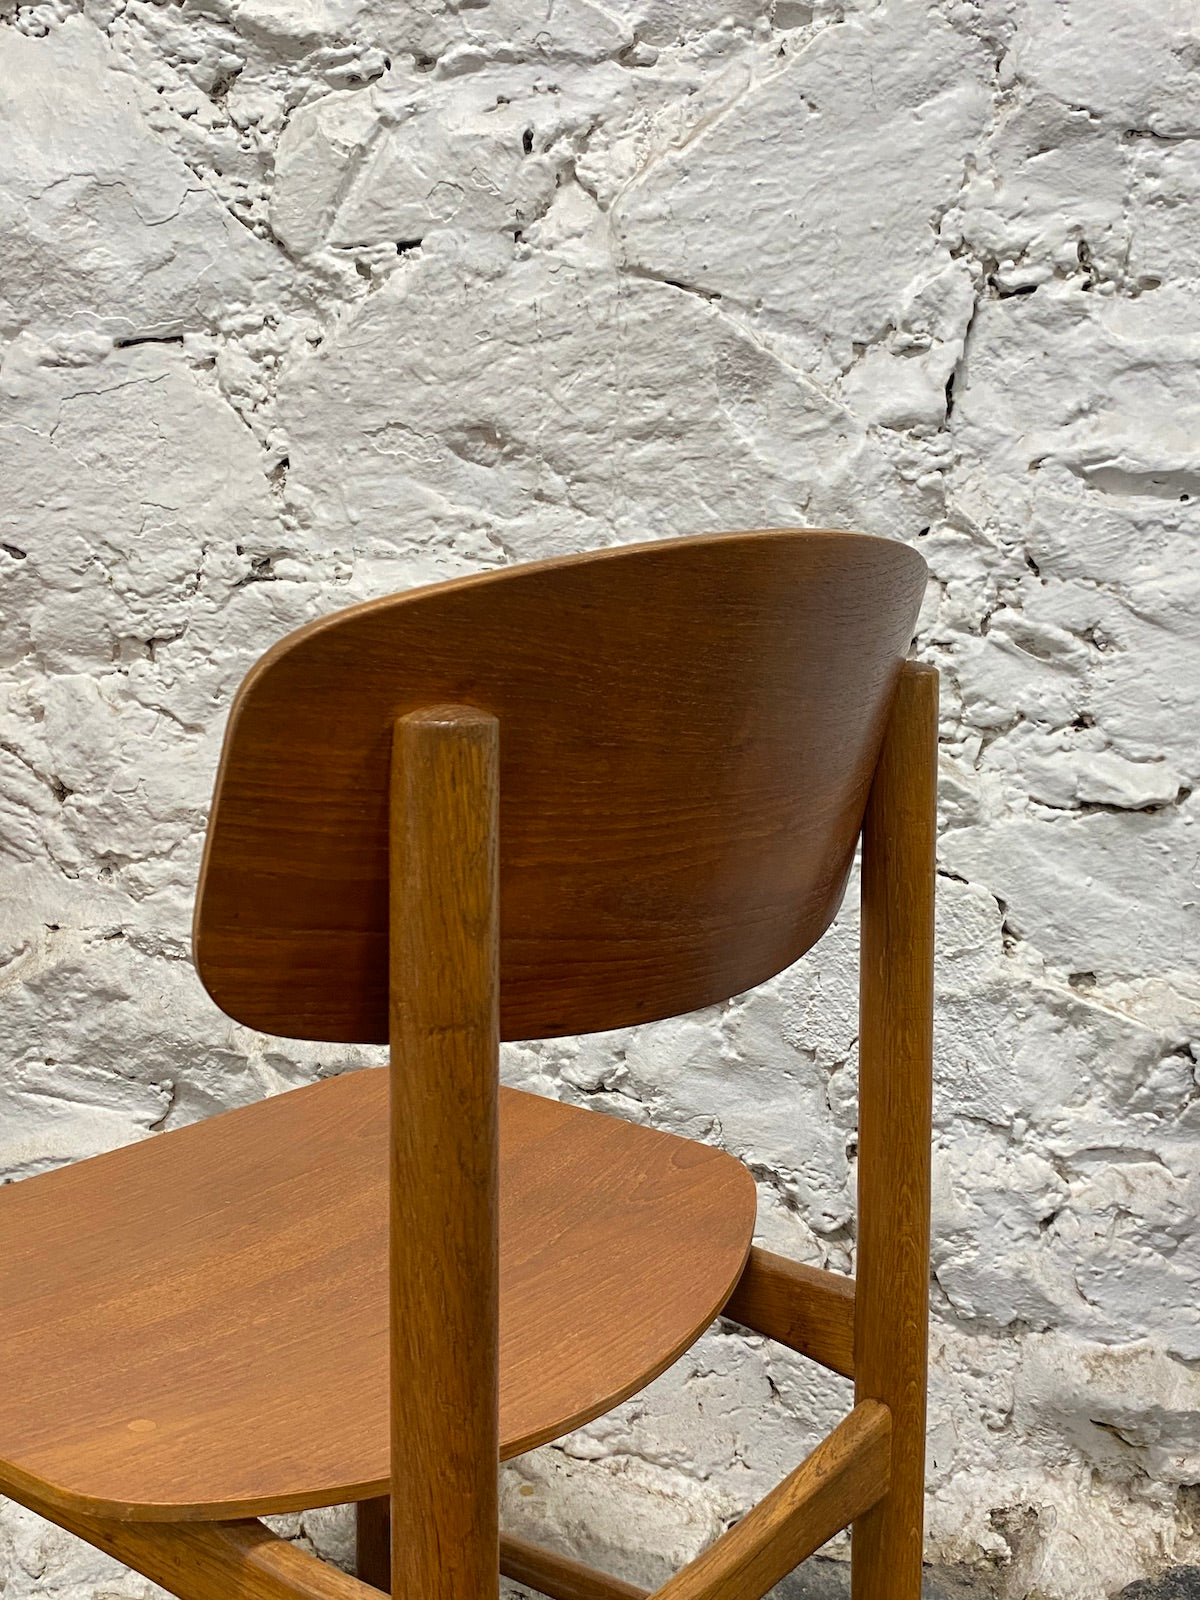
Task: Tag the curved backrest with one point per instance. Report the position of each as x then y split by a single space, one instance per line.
687 735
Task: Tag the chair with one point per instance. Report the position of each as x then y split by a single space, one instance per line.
574 795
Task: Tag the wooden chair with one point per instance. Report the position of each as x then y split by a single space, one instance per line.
574 795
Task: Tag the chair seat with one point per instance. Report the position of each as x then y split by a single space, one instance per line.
195 1327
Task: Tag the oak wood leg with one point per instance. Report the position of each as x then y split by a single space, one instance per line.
445 1156
373 1542
238 1560
895 1089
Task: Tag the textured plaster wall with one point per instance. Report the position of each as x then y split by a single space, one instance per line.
306 301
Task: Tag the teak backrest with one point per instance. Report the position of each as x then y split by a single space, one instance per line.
688 731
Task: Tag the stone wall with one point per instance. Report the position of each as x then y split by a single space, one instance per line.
306 301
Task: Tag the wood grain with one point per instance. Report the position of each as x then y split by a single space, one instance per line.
895 1092
805 1308
688 731
531 1564
373 1541
843 1476
227 1283
621 786
445 1155
560 1576
215 1560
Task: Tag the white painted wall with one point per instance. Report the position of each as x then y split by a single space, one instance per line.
928 269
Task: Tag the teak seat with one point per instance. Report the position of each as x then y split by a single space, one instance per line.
198 1292
569 796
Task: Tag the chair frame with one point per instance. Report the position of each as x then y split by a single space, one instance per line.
867 1474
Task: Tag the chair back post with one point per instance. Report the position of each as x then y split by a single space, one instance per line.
444 1181
895 1092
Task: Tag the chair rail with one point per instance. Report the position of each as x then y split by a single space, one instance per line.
847 1474
805 1308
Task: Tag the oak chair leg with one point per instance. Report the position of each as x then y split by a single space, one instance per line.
373 1542
444 1213
895 1092
445 1251
237 1560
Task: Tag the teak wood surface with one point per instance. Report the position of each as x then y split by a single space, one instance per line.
196 1326
687 734
575 795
